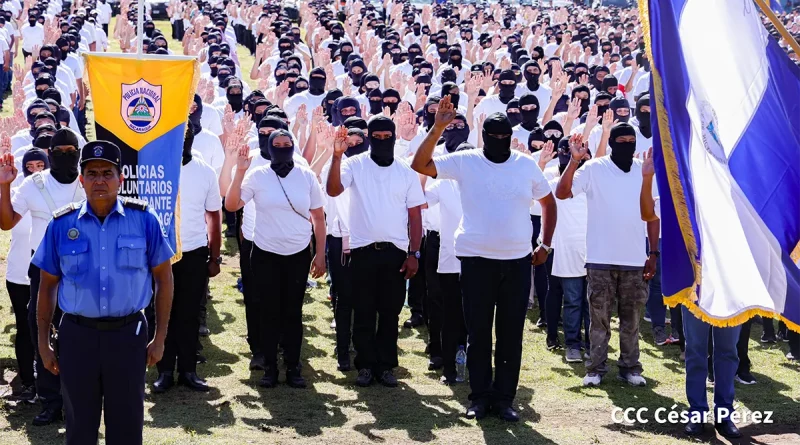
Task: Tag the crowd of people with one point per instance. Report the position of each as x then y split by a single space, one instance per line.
474 160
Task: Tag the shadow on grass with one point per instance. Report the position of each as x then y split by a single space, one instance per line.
19 418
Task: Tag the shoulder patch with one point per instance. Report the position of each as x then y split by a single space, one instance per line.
69 208
134 203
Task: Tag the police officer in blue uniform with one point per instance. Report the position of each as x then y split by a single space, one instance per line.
98 259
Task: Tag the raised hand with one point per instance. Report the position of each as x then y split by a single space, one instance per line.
446 112
340 141
648 169
608 121
243 160
573 112
5 143
317 116
592 118
302 116
577 149
8 172
547 154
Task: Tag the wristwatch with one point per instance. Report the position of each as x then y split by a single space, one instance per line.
547 248
414 253
218 260
654 252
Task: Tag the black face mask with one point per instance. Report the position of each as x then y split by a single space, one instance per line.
392 106
149 31
64 166
32 22
532 80
455 137
214 71
186 156
316 85
506 92
282 161
382 150
375 106
195 121
514 118
222 77
529 118
428 117
235 100
644 124
622 154
345 54
356 150
496 150
263 146
454 98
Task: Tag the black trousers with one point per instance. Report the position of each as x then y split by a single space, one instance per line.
48 386
495 288
281 282
794 344
103 371
417 286
341 278
105 29
378 294
541 273
454 329
553 302
20 294
432 303
252 299
190 277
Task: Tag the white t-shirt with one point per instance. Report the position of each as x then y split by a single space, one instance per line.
337 209
32 36
209 146
496 200
444 194
543 94
199 193
569 238
19 250
249 213
28 198
615 234
103 13
489 104
293 104
279 229
379 200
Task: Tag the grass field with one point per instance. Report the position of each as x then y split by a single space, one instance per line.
555 408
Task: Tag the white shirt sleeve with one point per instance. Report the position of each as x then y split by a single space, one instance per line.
213 199
249 185
540 187
432 192
414 196
346 174
317 199
581 181
448 166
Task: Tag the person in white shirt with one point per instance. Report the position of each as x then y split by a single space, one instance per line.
200 241
337 216
615 245
445 195
385 217
17 281
495 250
205 142
41 194
32 36
567 281
104 14
507 84
289 203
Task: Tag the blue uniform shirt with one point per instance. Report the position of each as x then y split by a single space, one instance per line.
104 267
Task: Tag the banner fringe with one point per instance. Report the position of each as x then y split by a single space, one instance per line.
682 298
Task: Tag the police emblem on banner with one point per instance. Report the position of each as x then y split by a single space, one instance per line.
710 133
141 105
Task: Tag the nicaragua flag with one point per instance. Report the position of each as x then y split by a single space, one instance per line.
776 6
726 120
141 103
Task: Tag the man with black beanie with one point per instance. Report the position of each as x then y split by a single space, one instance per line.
495 250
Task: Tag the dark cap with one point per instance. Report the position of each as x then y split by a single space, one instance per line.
101 151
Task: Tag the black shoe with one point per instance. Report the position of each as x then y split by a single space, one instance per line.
414 321
192 381
201 358
230 233
728 429
258 362
768 338
540 323
448 379
507 413
48 416
344 363
294 379
203 331
435 363
694 429
270 378
553 345
388 379
477 411
163 383
782 336
364 378
27 395
745 378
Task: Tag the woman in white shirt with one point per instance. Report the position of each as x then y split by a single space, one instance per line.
288 200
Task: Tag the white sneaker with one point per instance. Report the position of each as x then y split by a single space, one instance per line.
333 324
592 380
633 379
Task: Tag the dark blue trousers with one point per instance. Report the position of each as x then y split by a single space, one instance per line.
495 289
103 371
339 271
48 386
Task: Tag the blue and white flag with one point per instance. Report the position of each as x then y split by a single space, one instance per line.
776 6
726 120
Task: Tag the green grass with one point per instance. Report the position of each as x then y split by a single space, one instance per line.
555 408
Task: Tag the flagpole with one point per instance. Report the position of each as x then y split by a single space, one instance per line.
139 27
779 26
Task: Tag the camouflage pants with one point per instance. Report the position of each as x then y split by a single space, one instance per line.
630 291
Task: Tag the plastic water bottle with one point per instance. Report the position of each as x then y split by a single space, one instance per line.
461 364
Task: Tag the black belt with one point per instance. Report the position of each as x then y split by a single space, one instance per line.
433 233
105 323
376 246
